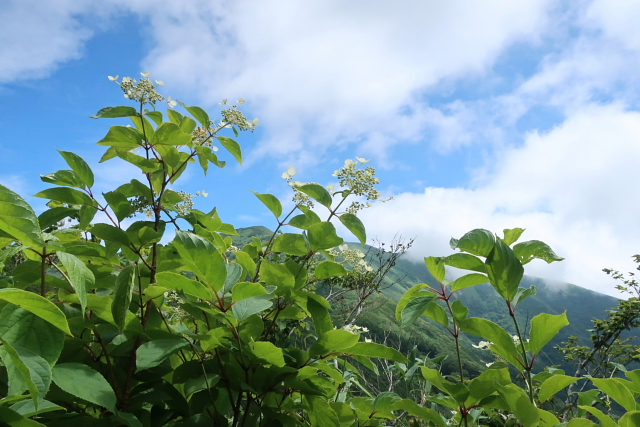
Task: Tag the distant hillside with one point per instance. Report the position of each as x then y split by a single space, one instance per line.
582 306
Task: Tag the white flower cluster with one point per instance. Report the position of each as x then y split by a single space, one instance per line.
187 203
143 91
355 329
359 182
355 257
483 345
233 116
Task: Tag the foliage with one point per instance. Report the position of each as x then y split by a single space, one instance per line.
163 321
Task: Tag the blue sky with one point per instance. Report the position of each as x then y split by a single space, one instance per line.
493 115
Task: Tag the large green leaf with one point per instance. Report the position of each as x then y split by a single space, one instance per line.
268 352
535 249
79 166
122 137
87 384
465 262
504 270
419 411
525 411
232 146
245 260
153 353
468 280
435 265
329 269
617 391
18 219
125 283
113 112
66 178
490 331
605 420
170 134
26 370
271 202
544 327
202 258
199 114
554 384
372 349
145 165
414 292
355 226
178 282
630 419
54 215
22 328
320 315
333 341
14 419
110 233
277 275
37 305
512 235
477 242
416 308
80 277
323 236
317 192
291 244
119 203
66 195
250 306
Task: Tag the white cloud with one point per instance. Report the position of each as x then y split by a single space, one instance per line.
574 188
39 35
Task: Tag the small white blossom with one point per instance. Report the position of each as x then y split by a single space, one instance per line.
172 102
482 345
146 75
361 160
159 82
224 101
489 364
368 340
343 247
241 101
292 171
214 148
331 187
113 79
348 163
127 80
256 122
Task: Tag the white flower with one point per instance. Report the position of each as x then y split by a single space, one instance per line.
127 79
256 122
489 364
224 101
291 171
361 160
343 247
214 148
348 163
172 103
159 82
331 187
241 101
368 340
113 79
369 268
482 345
145 74
335 173
516 339
285 175
204 194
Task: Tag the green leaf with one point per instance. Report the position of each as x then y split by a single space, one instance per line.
245 260
156 116
435 265
170 134
581 422
153 353
80 277
518 401
271 202
54 215
232 146
630 419
63 177
415 308
26 370
22 328
605 420
420 411
66 195
320 413
512 235
119 204
323 236
523 294
552 385
544 327
27 408
355 226
292 244
372 349
490 331
436 312
504 270
333 341
178 282
277 275
113 112
415 291
477 242
145 165
244 290
199 114
329 269
320 315
125 283
14 419
122 137
616 390
79 166
465 262
37 305
468 280
110 233
202 258
535 249
250 306
268 352
18 219
317 192
83 382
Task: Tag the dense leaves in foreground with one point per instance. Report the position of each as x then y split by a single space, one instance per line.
162 321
